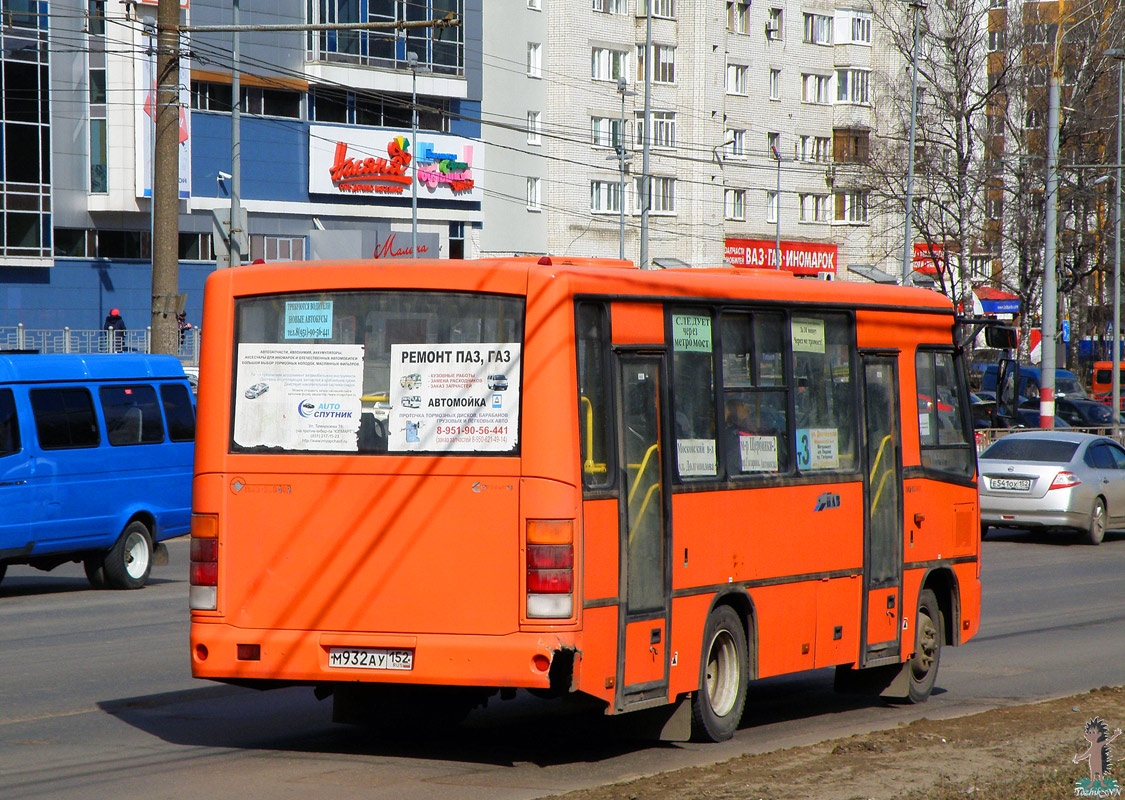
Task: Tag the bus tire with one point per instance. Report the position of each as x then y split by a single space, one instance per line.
929 633
95 570
716 708
1096 532
128 563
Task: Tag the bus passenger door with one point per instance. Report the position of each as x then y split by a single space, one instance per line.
882 551
642 661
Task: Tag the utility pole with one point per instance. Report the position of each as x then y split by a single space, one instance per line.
166 181
237 234
1050 259
907 233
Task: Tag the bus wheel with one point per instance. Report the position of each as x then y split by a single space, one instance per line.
716 708
95 570
928 635
1096 532
129 561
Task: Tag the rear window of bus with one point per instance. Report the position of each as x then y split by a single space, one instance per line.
377 371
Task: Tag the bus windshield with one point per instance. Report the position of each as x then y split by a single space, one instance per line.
377 372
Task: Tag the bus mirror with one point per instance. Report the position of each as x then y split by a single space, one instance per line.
1000 336
1007 396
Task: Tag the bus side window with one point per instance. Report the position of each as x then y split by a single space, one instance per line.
822 366
595 414
755 395
693 393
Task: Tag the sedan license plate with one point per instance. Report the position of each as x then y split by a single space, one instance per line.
370 658
1013 484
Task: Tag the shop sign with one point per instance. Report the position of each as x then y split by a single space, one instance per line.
372 162
800 258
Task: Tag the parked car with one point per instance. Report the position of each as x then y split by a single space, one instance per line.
1077 413
95 462
1053 480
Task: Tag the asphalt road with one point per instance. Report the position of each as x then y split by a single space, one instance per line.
96 698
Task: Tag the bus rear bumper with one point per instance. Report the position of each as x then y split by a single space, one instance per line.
521 659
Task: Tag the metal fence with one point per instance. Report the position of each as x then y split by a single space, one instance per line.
73 340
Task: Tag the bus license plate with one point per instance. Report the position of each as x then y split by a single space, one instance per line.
370 658
1017 484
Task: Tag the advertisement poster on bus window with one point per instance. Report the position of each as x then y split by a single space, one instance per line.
298 396
454 397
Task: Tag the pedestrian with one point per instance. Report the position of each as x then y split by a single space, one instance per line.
183 325
114 326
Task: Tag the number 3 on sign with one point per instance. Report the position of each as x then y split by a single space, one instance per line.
804 457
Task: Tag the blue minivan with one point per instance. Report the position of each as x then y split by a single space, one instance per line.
1066 382
95 462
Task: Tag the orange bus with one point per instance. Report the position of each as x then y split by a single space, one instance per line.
422 483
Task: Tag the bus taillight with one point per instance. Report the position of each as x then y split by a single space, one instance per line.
550 568
203 572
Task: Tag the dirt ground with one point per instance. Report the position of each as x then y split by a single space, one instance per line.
1021 752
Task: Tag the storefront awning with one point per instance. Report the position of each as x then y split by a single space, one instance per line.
995 301
872 274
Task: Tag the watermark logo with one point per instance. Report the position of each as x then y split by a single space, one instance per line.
1100 759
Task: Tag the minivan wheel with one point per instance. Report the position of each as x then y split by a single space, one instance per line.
129 561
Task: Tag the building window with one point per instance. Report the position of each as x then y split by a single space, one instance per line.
738 16
818 29
264 102
606 131
996 40
851 206
99 155
735 140
605 197
665 9
736 78
25 128
814 88
664 63
663 129
851 146
535 5
814 208
1034 118
610 6
332 106
774 29
775 84
533 133
852 85
771 207
861 29
813 148
533 199
534 60
277 248
607 65
734 204
773 145
663 195
442 50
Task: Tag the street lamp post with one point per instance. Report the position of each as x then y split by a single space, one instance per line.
777 211
412 64
624 91
1118 54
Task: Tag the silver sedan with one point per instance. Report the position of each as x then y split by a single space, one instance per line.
1053 479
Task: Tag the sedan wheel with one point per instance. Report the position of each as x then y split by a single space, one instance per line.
1096 532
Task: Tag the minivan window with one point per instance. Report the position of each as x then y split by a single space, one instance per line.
9 424
178 411
132 415
64 417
